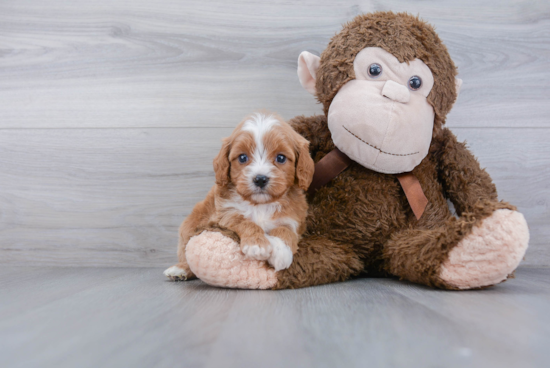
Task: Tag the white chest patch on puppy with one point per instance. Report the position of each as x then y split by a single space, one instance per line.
261 214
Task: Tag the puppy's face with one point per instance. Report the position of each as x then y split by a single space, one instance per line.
263 158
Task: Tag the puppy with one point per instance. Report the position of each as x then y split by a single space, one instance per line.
262 171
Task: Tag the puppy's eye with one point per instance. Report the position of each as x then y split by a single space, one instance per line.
281 159
243 158
415 83
374 70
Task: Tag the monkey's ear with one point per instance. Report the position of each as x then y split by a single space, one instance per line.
307 70
222 164
458 84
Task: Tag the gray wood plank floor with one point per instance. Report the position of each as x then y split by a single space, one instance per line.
133 317
111 112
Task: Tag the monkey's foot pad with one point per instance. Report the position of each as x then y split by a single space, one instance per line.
490 253
218 261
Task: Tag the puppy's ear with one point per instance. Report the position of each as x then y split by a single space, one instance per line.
304 164
222 164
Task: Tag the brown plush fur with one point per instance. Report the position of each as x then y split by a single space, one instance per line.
361 221
362 217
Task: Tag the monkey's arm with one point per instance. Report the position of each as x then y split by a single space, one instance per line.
466 184
315 130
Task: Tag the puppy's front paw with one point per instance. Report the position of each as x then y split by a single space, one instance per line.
259 248
257 252
281 256
175 273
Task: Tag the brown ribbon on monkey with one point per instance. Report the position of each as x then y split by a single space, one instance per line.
414 193
337 161
328 168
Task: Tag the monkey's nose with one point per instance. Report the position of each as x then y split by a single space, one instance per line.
396 92
260 181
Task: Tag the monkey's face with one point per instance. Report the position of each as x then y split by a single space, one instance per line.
382 119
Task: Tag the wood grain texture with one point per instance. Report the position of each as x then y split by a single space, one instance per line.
208 63
128 317
111 112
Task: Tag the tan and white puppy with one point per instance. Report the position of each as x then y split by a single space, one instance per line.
262 172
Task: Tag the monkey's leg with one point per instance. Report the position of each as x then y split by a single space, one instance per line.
319 261
215 258
472 251
483 246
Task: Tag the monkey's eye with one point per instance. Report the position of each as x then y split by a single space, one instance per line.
281 159
243 158
415 83
374 70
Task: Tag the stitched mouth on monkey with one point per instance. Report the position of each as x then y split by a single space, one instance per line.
373 146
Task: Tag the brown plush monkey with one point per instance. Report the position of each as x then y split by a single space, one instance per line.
387 82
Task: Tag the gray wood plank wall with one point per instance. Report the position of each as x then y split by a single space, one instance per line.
111 112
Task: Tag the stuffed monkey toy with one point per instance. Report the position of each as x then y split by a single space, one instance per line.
385 168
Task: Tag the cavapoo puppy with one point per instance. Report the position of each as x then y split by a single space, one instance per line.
262 172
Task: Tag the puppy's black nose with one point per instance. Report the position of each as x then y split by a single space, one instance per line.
260 181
